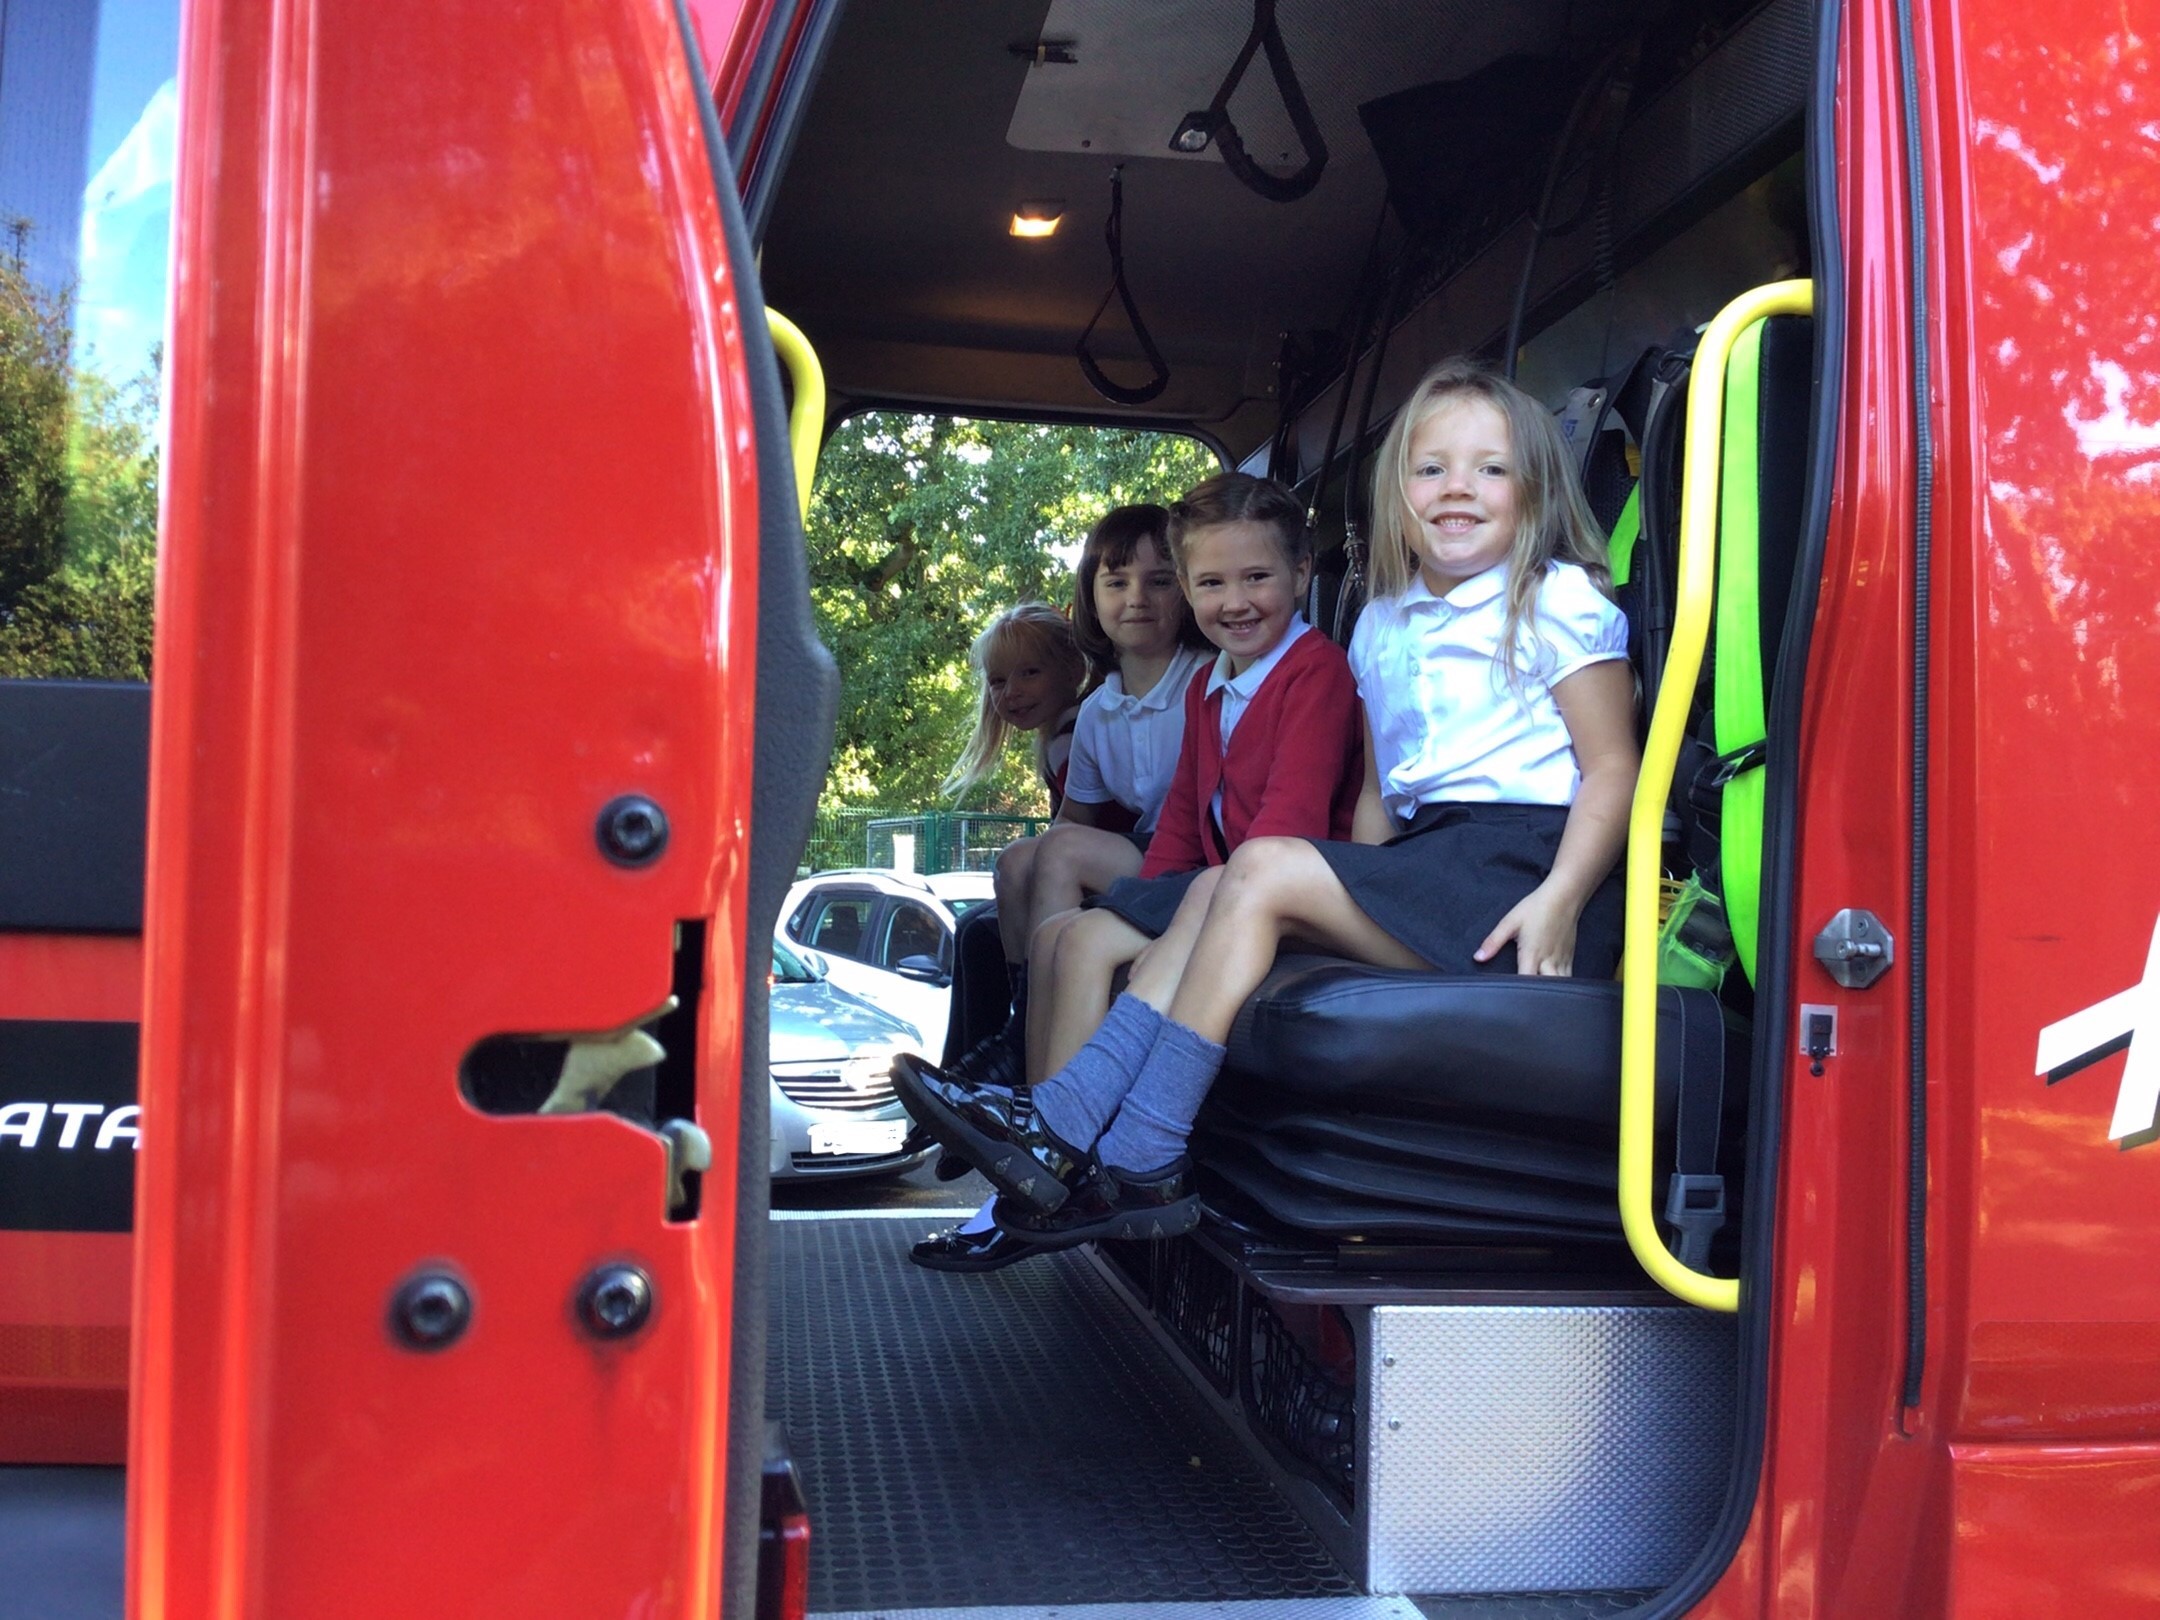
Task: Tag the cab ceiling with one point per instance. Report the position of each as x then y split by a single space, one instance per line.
929 126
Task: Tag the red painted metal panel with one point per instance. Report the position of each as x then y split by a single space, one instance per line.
64 1346
86 976
2051 242
460 544
2048 1530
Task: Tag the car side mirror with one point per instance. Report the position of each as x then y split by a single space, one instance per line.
925 968
815 962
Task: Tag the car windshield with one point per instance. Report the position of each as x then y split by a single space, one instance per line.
788 968
960 908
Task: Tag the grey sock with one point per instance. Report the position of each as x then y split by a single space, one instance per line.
1077 1102
1155 1119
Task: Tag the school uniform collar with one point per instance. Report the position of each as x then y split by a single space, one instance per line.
1169 686
1473 592
1247 684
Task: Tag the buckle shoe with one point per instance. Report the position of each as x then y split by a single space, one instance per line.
991 1249
997 1132
1107 1203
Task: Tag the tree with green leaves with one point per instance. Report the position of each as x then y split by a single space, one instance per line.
78 501
922 527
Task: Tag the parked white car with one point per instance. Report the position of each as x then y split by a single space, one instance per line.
888 937
962 892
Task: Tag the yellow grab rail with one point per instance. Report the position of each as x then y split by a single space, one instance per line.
806 413
1661 756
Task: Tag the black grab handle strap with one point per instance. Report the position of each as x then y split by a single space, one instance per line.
1276 188
1118 393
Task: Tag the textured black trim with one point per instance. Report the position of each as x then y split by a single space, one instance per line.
1922 571
795 678
74 805
770 161
1774 964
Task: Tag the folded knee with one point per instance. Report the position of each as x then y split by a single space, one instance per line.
1058 851
1264 872
1014 864
1043 944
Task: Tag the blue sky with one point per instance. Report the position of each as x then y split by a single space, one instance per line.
124 264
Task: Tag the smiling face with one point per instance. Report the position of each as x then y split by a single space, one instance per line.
1029 693
1242 587
1138 603
1461 487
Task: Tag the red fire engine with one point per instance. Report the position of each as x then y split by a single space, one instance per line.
488 714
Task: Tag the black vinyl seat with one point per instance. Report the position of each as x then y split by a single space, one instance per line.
1427 1107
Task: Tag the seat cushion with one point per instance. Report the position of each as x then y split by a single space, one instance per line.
1512 1053
1437 1107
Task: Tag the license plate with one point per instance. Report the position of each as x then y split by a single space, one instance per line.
858 1136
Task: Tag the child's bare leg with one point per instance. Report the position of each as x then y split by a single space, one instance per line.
1158 969
1273 889
1089 953
1073 862
1014 882
1042 970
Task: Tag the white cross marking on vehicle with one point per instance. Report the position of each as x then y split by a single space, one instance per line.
2111 1026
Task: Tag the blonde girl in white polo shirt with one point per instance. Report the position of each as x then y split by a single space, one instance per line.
1500 762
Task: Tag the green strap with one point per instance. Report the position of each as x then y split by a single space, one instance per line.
1737 690
1626 530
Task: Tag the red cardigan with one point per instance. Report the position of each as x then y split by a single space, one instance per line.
1295 766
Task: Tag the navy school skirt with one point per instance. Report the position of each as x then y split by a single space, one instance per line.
1438 888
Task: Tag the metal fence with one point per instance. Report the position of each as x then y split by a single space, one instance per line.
913 840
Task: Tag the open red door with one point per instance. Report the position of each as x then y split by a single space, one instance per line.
474 449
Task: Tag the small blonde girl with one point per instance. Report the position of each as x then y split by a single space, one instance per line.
1030 674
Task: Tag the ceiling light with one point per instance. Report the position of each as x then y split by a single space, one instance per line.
1038 218
1194 131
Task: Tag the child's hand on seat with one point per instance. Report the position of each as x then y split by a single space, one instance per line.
1542 925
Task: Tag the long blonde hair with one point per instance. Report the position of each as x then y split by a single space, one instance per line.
1552 517
1033 630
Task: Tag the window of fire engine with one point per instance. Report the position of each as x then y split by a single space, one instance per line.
88 114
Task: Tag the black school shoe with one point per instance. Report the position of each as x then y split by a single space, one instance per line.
949 1166
987 1250
1107 1203
996 1131
995 1060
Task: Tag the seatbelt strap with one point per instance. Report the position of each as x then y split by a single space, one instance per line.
1737 707
1695 1196
1626 530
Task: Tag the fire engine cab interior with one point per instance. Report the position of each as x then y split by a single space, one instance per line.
1416 1346
1411 1300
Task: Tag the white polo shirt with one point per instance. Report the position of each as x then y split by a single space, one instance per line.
1125 748
1445 722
